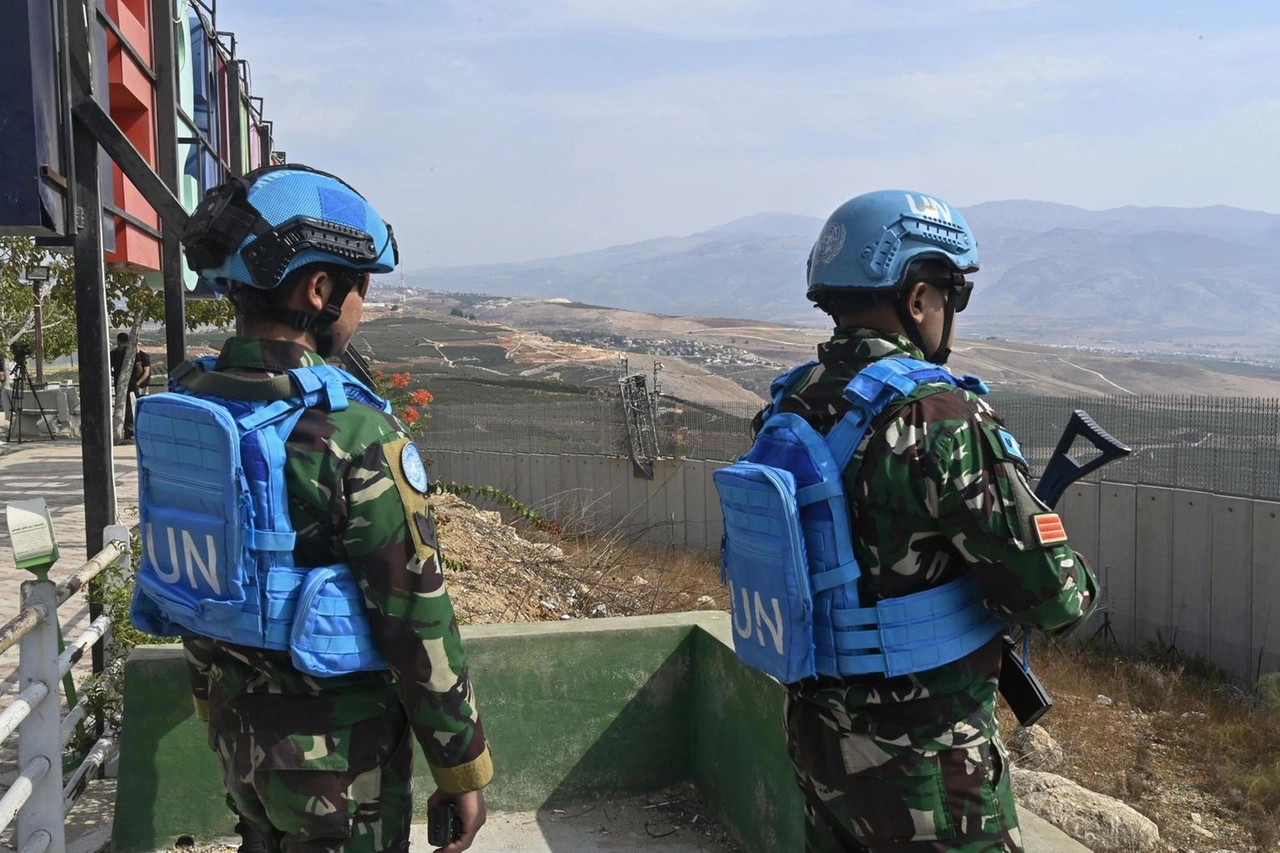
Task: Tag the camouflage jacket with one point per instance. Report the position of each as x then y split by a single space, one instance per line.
935 495
350 502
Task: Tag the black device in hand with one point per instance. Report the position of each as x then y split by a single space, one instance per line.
443 824
1019 686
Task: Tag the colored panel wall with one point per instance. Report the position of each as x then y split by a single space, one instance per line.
131 85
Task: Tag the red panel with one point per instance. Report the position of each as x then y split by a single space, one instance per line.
132 18
130 86
132 99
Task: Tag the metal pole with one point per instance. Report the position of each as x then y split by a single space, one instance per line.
175 321
39 331
40 735
91 304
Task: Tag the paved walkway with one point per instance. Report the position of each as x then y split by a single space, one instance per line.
52 470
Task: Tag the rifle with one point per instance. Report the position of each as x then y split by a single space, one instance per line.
357 366
1019 686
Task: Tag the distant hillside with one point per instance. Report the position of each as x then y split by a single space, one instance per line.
1202 279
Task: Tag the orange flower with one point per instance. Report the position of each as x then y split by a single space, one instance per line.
400 380
411 415
421 397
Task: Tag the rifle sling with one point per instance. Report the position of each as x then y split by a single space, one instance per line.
235 387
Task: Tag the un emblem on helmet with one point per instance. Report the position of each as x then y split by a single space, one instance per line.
830 243
415 473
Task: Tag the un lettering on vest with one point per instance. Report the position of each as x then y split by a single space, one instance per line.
187 562
751 612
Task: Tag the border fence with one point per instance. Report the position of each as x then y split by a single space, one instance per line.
1224 445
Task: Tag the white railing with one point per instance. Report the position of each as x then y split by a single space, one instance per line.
40 798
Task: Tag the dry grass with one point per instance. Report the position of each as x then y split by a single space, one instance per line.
501 573
1179 739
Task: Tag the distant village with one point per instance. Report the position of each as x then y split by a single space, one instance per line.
692 351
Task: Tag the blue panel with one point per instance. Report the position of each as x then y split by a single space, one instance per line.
32 110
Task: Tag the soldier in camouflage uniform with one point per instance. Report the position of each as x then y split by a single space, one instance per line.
914 764
325 764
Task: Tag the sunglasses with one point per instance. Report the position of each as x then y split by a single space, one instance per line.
362 285
958 287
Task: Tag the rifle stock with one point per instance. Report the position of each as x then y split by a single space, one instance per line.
1019 686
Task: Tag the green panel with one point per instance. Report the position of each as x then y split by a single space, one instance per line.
740 761
582 710
170 781
575 712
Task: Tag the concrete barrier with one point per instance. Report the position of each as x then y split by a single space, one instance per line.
575 712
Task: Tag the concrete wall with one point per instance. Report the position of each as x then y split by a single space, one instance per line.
678 506
1192 570
576 711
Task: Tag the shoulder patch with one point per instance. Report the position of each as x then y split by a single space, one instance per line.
1049 529
415 473
1011 445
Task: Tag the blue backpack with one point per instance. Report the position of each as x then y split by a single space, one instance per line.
218 543
788 554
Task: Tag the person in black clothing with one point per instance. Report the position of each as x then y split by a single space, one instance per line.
139 378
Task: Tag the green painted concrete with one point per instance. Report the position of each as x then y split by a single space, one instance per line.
576 712
580 711
740 760
170 781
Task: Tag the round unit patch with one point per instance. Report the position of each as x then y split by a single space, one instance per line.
415 473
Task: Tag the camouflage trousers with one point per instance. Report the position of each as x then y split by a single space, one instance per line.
865 794
347 790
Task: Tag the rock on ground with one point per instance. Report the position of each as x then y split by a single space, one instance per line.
1033 748
1103 824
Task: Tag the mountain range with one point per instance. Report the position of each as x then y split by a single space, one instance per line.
1196 279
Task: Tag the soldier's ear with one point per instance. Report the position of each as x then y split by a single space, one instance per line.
917 301
314 290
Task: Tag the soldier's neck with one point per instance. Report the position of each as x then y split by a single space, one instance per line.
278 332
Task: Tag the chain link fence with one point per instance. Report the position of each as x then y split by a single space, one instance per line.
1227 445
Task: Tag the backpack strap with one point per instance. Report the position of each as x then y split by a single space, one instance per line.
782 383
199 376
876 387
321 384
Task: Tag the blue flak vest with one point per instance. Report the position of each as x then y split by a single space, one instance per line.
788 553
218 543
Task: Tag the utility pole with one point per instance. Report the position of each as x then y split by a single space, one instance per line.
37 277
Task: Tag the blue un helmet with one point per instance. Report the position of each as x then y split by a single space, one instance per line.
252 232
870 242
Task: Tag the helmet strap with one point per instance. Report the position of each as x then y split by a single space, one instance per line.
909 323
948 318
320 325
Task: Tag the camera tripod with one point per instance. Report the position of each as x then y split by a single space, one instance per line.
21 384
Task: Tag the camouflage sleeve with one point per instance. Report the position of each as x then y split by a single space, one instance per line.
199 662
1014 544
390 541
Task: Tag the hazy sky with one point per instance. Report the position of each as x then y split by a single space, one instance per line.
501 131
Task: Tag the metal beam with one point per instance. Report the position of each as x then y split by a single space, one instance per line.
170 171
235 123
102 129
91 295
